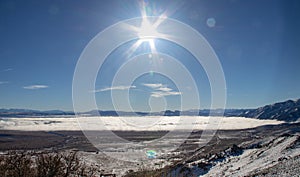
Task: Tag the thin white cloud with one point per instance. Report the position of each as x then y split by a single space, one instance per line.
3 82
164 89
8 69
114 88
161 90
35 87
162 94
154 86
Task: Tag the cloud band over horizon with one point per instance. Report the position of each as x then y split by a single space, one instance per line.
114 88
35 87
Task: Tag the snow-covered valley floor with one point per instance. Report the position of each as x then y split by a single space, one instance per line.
240 147
131 123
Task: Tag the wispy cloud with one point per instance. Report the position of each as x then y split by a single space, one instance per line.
3 82
162 94
114 88
35 87
8 69
161 90
154 86
164 89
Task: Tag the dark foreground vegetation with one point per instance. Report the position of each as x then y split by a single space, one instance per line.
33 164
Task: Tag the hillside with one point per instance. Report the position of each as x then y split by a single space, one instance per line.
288 111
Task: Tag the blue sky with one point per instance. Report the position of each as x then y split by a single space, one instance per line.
257 43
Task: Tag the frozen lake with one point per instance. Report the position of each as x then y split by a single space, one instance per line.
131 123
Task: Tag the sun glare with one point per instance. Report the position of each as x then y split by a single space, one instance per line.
146 32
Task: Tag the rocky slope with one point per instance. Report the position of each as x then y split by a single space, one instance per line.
288 111
273 151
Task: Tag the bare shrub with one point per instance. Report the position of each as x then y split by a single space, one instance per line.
21 164
16 165
49 165
71 162
86 171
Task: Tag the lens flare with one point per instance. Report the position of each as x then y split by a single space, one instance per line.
146 29
146 32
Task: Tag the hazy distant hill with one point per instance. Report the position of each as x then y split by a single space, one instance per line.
31 113
287 111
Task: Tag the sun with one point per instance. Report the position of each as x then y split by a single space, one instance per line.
146 32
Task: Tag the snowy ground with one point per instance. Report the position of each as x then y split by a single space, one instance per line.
131 123
142 124
257 160
267 151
